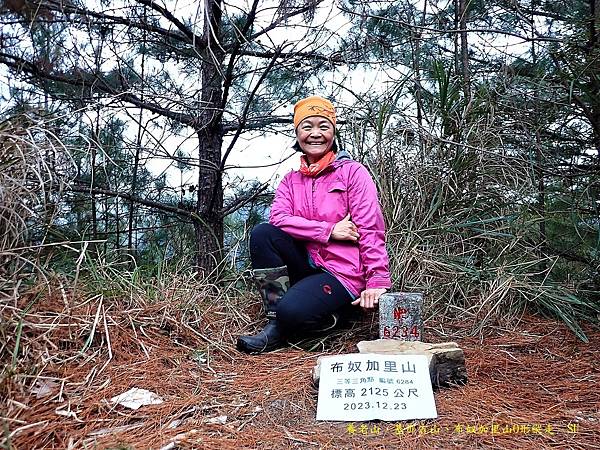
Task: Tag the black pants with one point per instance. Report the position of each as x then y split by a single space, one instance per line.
313 295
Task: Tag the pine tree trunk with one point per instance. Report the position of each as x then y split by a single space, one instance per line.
209 230
209 226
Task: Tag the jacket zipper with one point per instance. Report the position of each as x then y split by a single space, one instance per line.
313 198
314 210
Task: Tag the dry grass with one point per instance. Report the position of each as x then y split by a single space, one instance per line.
31 160
77 351
69 345
464 218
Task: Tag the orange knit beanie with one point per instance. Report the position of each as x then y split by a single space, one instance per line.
313 106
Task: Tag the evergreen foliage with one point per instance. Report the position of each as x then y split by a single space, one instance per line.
483 132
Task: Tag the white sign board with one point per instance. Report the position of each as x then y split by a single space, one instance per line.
359 387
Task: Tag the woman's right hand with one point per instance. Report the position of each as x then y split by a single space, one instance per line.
345 230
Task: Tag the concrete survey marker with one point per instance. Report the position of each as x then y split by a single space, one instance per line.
401 316
359 387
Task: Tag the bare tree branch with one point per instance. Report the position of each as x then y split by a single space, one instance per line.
280 20
193 38
244 115
441 31
139 200
94 83
71 8
244 200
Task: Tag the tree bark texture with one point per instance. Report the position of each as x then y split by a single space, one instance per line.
209 226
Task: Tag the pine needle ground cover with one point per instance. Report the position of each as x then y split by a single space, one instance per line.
65 356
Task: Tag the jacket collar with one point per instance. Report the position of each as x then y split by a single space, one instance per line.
342 157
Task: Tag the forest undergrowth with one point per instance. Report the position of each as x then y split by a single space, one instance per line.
80 325
68 350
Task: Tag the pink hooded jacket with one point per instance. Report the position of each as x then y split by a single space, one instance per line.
308 208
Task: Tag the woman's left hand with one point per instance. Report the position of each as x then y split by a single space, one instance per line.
369 297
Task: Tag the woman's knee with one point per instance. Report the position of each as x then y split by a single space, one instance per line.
296 316
260 238
262 233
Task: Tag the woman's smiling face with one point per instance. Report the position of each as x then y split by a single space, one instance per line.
315 135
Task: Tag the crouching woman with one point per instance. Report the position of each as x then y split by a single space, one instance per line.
323 250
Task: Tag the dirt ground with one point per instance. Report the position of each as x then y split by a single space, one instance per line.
535 387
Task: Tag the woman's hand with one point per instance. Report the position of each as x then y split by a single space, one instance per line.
369 297
345 230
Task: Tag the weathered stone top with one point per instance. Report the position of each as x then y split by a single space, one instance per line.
396 347
446 359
